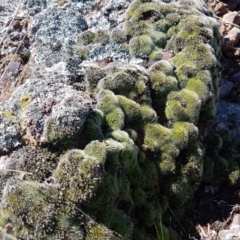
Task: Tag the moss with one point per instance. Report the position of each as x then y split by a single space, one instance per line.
120 83
27 196
40 162
93 76
97 149
200 56
25 55
114 120
131 110
143 10
101 37
132 133
25 101
120 136
155 55
141 46
200 88
57 133
161 79
162 66
234 176
158 38
214 142
193 167
92 131
179 135
86 38
208 169
167 164
139 196
97 117
183 106
120 223
190 32
107 101
119 36
147 214
156 136
98 232
82 52
148 114
185 72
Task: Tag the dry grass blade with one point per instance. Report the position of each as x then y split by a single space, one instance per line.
12 170
227 22
10 23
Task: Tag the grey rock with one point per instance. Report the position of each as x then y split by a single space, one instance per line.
225 87
229 234
236 76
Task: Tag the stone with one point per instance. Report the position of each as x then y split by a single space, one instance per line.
236 76
231 39
232 17
220 9
225 87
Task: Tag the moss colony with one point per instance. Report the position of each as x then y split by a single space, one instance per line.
141 151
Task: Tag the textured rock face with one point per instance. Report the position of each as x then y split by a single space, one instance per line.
104 135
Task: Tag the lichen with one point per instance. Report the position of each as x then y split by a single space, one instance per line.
25 101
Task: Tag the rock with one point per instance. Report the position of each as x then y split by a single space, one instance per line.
231 39
232 17
229 234
233 232
220 9
236 76
225 87
232 5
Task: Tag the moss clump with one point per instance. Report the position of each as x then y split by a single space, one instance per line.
141 46
162 82
148 115
99 232
27 196
86 38
200 56
58 133
37 162
113 114
93 76
102 37
25 101
92 131
184 106
127 80
156 136
82 51
119 36
131 110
